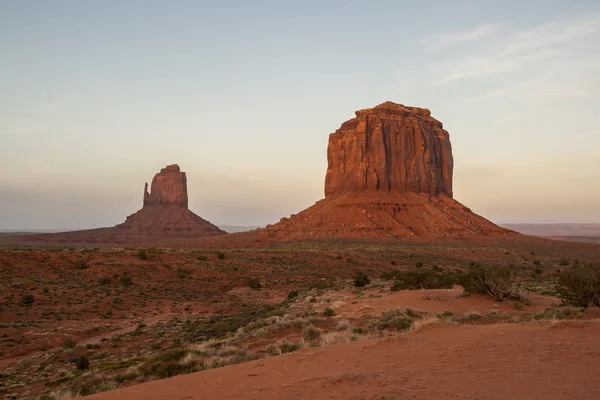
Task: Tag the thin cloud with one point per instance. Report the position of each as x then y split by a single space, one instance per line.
455 38
551 45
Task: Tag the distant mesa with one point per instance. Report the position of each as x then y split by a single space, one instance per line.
164 215
389 176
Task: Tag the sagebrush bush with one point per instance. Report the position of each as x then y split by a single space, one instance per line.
394 319
82 363
361 279
329 312
579 285
310 333
500 283
293 294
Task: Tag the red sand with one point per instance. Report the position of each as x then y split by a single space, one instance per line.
501 361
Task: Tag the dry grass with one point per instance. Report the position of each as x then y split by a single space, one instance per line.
423 322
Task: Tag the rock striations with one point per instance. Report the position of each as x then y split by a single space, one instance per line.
389 176
169 187
390 147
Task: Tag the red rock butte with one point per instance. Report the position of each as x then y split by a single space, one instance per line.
390 147
389 176
164 215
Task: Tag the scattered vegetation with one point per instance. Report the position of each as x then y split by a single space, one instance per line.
423 279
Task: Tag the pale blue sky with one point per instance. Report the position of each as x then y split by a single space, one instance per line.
97 96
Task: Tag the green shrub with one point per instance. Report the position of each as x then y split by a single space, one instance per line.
202 258
563 262
141 254
579 285
82 363
499 283
81 264
105 280
286 347
125 280
361 279
27 299
69 343
221 256
293 294
329 312
254 283
538 271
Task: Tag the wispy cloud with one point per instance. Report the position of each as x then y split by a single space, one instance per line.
549 47
454 38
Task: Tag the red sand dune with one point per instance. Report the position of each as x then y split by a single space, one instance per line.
501 361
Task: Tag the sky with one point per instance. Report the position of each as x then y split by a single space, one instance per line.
97 96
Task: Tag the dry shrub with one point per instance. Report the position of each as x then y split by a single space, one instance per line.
499 283
579 285
310 333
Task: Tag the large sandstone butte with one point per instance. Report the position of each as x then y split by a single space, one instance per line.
390 147
164 215
389 176
169 187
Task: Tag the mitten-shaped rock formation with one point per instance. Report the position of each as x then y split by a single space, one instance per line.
169 187
390 146
164 215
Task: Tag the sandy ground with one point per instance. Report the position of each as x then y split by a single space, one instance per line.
502 361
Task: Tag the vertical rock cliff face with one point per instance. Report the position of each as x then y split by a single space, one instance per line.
387 147
169 187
